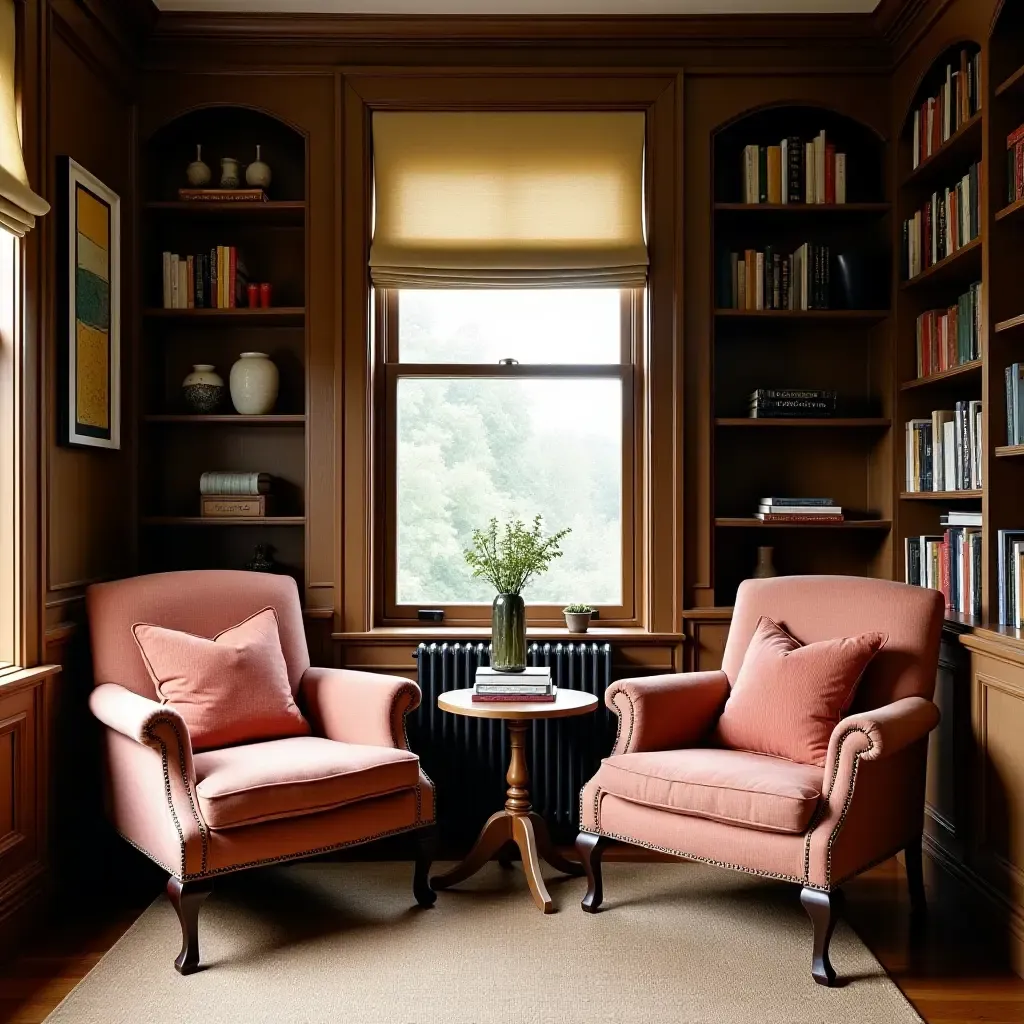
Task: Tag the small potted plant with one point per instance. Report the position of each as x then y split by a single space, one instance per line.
508 559
577 617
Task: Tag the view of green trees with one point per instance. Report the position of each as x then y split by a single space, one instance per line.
473 448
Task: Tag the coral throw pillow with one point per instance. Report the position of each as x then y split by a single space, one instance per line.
788 697
231 689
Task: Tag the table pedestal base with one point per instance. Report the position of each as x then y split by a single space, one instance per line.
517 823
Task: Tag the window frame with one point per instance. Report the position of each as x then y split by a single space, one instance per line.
385 317
11 318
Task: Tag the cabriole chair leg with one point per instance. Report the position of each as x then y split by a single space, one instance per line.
187 898
824 910
590 849
426 847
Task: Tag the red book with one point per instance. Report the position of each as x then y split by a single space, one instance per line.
232 275
1019 167
936 126
1014 137
830 173
512 698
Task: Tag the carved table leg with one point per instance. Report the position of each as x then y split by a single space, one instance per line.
496 833
526 840
823 908
547 850
187 898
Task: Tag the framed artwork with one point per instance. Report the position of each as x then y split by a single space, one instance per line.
89 267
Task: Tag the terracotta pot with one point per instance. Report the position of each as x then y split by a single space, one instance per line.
577 622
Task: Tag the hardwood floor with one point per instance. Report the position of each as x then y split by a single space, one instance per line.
954 972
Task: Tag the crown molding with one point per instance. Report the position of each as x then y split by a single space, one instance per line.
562 31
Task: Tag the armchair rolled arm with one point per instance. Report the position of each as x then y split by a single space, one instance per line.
874 735
358 707
666 712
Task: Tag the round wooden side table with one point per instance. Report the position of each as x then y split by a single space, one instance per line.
518 822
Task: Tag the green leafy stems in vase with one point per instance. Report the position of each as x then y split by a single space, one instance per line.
509 558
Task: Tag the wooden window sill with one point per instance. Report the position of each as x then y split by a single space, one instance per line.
442 632
14 677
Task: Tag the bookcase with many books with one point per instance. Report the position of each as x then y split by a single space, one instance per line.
802 439
200 316
940 330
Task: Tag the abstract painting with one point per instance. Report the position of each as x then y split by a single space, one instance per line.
90 234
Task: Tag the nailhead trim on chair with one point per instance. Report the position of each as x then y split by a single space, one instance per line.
618 715
200 824
405 740
815 821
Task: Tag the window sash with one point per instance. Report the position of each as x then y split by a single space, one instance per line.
389 611
10 446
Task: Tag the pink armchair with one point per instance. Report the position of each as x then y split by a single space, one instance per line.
666 787
200 815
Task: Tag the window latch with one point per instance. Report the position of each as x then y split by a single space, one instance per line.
430 614
508 362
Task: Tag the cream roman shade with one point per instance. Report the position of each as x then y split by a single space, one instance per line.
508 200
19 205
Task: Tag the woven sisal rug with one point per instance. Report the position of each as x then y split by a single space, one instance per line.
342 942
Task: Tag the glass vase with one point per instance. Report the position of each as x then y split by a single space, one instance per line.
508 633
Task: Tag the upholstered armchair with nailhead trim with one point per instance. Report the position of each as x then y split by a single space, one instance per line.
668 785
203 814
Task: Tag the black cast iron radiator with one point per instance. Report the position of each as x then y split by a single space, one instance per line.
467 757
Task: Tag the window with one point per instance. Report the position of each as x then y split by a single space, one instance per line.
508 403
9 445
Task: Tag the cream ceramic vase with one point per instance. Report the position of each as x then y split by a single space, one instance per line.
197 172
229 173
258 174
254 382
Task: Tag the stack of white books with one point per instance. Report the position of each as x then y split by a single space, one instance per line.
532 685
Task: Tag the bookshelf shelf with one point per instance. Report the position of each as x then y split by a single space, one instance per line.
954 373
280 213
274 314
804 209
1010 211
941 495
960 146
1007 451
1009 325
749 523
228 419
965 262
225 521
858 315
1012 83
867 423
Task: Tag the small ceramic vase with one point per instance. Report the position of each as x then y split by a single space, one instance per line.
765 566
577 622
229 173
257 174
197 172
254 384
203 389
262 559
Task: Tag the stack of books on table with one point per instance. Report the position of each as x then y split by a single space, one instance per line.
532 685
799 510
782 403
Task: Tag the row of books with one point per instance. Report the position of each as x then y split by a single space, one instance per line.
213 280
947 222
1015 165
794 171
1010 577
944 451
532 685
950 563
1015 403
958 100
774 403
950 337
798 510
774 280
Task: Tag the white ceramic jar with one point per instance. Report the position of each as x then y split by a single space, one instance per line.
203 389
258 173
254 382
197 172
229 173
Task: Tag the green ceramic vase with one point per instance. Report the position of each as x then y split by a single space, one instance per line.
508 633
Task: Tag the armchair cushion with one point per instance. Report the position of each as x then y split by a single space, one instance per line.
730 786
286 778
231 689
788 698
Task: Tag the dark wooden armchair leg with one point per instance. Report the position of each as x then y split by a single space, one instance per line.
824 910
590 849
426 847
914 861
187 898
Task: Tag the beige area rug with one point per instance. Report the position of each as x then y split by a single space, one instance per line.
340 942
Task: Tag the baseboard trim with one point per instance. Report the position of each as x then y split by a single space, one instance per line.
24 904
1007 914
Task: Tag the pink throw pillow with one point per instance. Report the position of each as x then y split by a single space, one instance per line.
231 689
788 697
